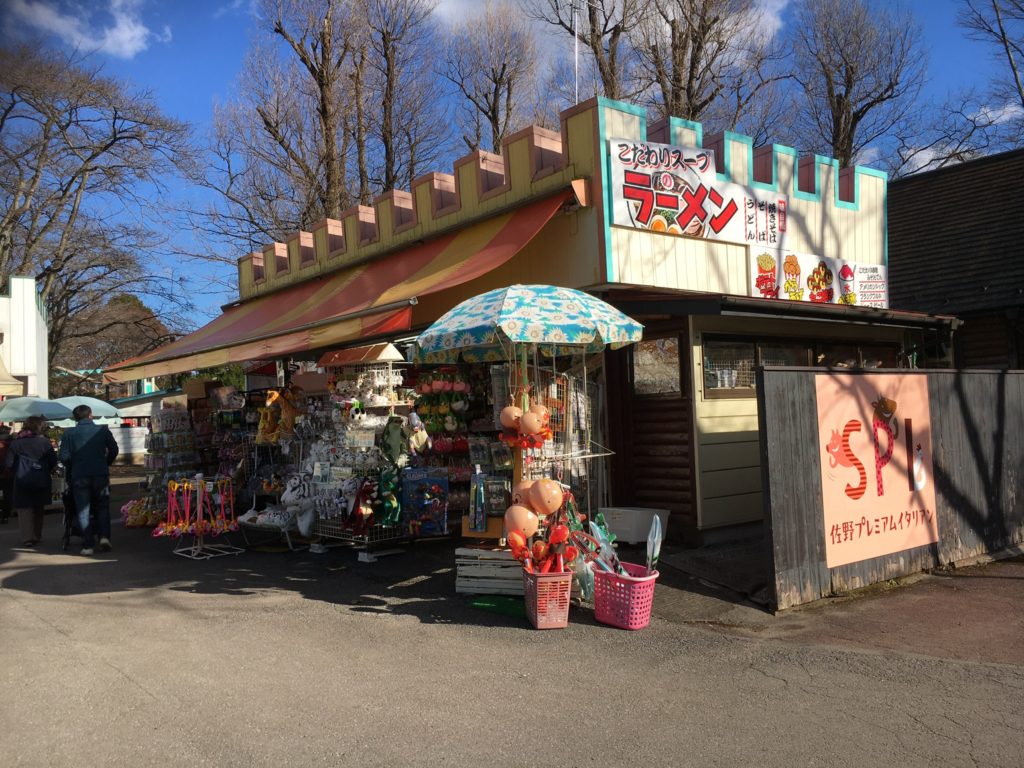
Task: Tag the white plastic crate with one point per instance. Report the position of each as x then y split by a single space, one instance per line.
633 524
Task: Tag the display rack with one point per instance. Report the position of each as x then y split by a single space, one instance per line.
200 518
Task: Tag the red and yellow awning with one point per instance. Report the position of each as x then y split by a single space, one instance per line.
369 300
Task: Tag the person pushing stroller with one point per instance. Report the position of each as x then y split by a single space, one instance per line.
87 450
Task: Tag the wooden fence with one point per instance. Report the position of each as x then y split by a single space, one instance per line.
977 445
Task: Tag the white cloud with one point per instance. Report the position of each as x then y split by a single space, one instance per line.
868 156
236 6
123 34
999 115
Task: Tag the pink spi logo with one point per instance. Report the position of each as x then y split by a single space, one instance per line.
668 182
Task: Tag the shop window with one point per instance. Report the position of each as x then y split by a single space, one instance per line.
784 354
728 368
881 356
656 367
838 356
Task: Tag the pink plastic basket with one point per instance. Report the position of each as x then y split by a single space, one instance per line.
547 599
624 601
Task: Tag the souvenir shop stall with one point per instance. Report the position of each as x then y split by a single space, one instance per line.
554 542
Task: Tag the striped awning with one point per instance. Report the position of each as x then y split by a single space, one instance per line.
369 300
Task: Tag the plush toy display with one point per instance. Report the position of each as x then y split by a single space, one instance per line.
266 433
284 400
297 500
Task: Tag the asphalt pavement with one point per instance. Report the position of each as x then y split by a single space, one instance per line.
140 657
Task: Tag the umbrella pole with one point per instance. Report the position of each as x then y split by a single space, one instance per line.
524 403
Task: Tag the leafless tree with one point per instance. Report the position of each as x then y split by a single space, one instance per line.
402 45
602 28
77 150
714 61
334 106
860 68
1001 24
490 58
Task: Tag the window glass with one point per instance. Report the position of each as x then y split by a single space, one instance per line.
656 367
838 356
880 357
729 365
784 354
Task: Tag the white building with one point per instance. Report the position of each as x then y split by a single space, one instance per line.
24 350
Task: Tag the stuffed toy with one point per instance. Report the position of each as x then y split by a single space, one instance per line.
283 399
297 500
266 433
419 440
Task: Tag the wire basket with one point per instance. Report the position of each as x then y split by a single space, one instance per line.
547 599
624 601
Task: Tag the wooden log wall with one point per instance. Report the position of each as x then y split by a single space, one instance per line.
978 462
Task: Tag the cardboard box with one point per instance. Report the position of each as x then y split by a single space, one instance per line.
196 389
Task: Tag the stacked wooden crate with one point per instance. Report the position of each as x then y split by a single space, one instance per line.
487 569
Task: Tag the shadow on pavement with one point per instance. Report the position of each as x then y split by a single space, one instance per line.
417 582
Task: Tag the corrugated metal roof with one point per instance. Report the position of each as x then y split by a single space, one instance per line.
956 237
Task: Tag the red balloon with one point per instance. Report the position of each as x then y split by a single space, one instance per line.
546 496
522 519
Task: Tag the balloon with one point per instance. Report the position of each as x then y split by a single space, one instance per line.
510 416
530 424
521 492
522 519
542 411
546 497
539 550
559 534
516 540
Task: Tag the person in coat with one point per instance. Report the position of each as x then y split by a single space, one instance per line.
30 459
87 451
6 478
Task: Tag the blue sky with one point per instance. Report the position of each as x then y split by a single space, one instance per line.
188 53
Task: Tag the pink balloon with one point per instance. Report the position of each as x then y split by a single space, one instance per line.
546 497
510 416
530 424
521 492
522 519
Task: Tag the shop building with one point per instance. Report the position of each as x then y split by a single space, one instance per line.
733 257
955 235
24 361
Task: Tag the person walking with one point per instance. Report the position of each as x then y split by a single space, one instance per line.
87 451
6 477
30 460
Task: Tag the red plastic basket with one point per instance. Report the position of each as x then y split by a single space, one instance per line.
547 599
624 601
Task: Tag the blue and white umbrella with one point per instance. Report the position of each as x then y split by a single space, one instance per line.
559 321
20 408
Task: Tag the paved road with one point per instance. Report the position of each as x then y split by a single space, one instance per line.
279 659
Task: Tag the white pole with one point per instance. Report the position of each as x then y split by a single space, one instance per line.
576 57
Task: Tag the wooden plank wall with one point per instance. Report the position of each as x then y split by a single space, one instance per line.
978 462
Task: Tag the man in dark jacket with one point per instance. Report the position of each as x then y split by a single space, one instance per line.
87 451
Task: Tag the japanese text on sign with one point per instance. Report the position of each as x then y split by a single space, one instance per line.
676 190
874 437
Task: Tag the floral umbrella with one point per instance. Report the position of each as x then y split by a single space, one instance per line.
559 321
